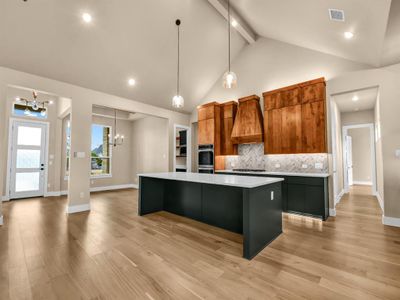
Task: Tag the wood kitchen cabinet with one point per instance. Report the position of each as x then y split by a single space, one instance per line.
228 114
209 125
294 119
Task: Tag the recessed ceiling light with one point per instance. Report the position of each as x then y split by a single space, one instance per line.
17 99
131 81
234 23
87 18
348 35
355 98
51 102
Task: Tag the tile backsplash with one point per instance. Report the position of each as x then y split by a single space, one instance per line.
251 156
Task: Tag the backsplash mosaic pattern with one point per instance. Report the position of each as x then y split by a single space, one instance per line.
251 156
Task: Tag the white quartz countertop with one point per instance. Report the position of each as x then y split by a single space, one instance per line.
218 179
321 175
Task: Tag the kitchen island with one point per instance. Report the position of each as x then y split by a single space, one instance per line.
251 206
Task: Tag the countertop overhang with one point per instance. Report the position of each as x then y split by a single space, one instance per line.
321 175
216 179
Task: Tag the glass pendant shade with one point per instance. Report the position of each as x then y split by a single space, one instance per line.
178 101
230 80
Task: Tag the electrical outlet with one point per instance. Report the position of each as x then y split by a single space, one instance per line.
92 181
82 195
48 185
277 166
272 195
304 166
319 166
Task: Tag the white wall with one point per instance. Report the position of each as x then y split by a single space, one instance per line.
361 150
269 64
358 117
149 146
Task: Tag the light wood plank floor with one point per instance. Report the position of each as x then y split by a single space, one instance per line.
111 253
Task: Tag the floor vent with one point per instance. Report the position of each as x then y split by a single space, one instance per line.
336 15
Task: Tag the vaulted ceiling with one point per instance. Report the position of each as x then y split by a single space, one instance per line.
126 39
137 39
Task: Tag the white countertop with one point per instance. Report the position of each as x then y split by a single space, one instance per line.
321 175
230 180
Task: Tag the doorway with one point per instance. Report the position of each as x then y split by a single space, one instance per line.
359 156
182 149
27 159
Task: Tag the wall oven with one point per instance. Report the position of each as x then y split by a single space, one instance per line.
206 158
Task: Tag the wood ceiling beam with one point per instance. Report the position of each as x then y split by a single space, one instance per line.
242 27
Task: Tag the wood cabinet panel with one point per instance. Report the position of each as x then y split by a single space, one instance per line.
313 92
206 129
273 131
313 127
272 101
206 112
291 134
291 97
228 148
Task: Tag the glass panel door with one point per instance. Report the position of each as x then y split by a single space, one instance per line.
27 159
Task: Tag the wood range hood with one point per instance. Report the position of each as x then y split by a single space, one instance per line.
248 127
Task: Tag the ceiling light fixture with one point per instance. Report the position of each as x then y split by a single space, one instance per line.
230 78
87 18
234 23
131 81
348 35
355 98
177 100
35 104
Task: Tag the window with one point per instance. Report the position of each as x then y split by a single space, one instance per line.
27 111
100 150
67 145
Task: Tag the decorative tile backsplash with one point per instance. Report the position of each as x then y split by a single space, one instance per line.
251 156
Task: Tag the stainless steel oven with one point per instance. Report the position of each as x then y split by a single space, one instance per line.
206 158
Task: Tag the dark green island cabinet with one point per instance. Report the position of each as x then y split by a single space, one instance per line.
251 206
306 195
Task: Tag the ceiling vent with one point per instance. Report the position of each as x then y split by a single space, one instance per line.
336 14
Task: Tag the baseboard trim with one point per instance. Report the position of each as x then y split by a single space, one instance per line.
114 187
339 197
52 194
390 221
5 198
380 200
1 220
332 212
362 182
78 208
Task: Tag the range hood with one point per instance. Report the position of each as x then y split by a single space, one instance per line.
248 127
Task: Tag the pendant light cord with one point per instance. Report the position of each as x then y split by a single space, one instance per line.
178 23
229 35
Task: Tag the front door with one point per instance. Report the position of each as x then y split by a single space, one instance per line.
28 155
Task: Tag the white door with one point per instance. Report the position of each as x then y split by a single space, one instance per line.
349 158
28 151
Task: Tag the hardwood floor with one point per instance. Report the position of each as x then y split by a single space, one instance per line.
111 253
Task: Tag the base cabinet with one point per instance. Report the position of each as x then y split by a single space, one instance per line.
302 195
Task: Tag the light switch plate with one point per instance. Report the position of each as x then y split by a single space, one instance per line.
79 154
277 166
397 153
304 166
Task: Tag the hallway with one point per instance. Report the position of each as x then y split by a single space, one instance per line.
111 253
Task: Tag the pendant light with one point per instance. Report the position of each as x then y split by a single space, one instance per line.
177 100
230 78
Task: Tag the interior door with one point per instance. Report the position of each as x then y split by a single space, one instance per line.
349 158
27 159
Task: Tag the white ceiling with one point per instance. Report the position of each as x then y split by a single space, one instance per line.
307 24
366 100
126 39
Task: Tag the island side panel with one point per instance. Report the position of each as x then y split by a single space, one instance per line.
222 206
262 218
151 195
183 198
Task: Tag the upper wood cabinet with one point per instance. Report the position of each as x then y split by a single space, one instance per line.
294 119
228 114
209 125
